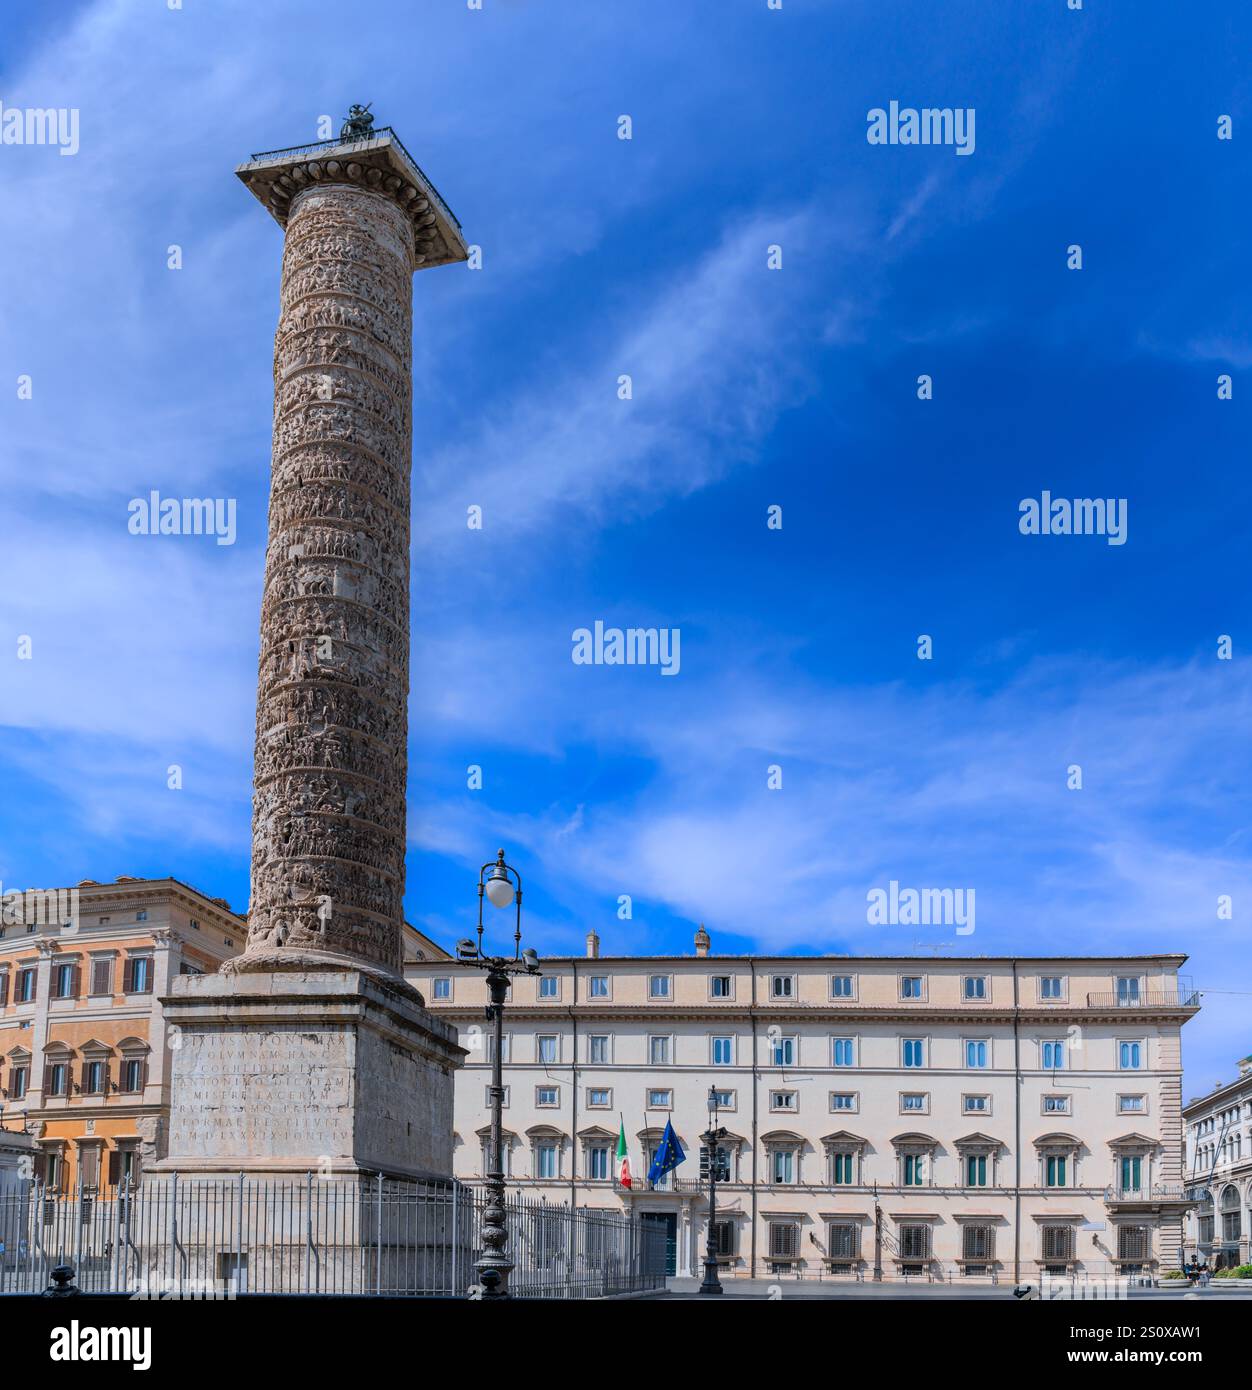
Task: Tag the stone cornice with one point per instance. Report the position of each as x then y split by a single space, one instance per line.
730 1012
1240 1088
81 1110
382 166
108 898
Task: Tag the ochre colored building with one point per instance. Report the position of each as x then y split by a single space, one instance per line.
84 1045
83 1041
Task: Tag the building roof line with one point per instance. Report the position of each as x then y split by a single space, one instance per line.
1180 957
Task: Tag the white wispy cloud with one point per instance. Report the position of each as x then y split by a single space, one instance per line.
712 360
948 786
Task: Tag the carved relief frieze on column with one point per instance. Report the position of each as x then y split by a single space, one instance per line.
328 833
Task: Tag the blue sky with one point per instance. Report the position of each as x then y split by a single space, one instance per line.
752 387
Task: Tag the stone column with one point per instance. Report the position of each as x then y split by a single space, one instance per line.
310 1051
167 954
328 831
328 828
39 1023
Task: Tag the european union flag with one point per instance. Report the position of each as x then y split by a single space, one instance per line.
668 1156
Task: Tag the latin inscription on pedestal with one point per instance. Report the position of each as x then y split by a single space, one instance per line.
284 1093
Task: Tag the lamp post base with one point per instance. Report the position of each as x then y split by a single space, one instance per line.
712 1284
495 1266
493 1283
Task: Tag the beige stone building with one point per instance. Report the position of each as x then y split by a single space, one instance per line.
84 1053
1219 1168
964 1119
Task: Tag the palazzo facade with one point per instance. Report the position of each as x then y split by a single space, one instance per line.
955 1119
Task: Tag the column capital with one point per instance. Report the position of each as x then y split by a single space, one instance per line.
380 165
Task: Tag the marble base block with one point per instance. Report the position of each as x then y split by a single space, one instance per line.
286 1072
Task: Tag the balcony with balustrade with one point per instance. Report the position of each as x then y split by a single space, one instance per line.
1169 1197
1179 995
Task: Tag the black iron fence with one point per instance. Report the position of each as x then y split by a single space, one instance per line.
179 1238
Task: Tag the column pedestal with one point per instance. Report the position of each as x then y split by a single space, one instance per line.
325 1071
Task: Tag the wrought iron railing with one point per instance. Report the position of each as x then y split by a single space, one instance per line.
1147 999
172 1237
1159 1192
666 1184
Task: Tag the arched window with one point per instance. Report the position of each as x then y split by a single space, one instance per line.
1058 1160
784 1150
915 1159
547 1146
1231 1224
133 1070
977 1154
1133 1156
845 1154
58 1070
598 1151
507 1140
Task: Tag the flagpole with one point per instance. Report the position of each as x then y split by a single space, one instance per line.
622 1157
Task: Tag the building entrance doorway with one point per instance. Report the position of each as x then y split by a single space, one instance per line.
668 1223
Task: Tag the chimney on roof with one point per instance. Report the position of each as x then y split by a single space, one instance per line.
593 945
703 941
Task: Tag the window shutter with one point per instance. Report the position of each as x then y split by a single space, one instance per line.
143 1073
115 1167
101 976
128 976
104 1077
4 988
76 981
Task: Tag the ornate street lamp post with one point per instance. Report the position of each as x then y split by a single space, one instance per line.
502 886
712 1138
877 1238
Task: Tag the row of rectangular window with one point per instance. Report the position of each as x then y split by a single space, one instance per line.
783 987
783 1051
1229 1116
140 916
124 1167
548 1096
94 1079
66 980
1055 1249
843 1168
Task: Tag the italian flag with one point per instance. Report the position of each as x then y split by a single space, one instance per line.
623 1158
